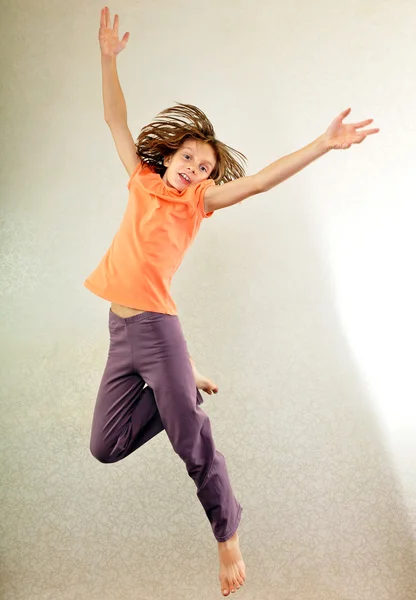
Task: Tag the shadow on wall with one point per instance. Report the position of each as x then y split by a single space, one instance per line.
324 516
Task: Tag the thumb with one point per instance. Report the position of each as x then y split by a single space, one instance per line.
125 39
344 114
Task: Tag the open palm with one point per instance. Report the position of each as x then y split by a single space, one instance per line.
341 136
110 43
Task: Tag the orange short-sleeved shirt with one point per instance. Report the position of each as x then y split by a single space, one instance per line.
158 226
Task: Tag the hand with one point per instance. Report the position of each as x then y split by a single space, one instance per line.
202 382
108 36
340 136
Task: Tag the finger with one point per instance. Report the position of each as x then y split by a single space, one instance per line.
362 123
344 114
102 18
107 17
125 39
115 24
346 145
363 134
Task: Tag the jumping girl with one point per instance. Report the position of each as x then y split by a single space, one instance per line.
179 174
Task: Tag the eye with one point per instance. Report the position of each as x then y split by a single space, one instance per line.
187 156
203 168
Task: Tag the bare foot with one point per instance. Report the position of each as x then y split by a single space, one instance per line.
232 567
202 382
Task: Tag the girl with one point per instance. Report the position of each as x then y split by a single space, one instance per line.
179 174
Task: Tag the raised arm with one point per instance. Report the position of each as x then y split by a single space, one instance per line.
115 111
338 136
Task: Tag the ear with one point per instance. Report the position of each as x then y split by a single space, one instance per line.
167 160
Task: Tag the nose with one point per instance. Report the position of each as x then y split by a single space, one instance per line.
191 168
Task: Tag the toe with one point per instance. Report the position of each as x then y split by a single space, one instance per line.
225 588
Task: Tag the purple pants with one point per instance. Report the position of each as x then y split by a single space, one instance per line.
150 348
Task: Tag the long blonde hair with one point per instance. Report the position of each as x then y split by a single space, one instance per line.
172 127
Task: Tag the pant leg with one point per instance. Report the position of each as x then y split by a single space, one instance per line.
160 355
125 414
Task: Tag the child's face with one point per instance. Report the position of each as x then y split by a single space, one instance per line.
191 163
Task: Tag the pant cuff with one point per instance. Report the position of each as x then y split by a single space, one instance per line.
231 532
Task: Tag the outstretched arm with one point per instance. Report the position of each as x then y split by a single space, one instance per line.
338 136
115 112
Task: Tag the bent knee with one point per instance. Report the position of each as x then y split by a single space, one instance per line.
102 452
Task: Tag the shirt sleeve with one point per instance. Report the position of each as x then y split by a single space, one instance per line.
200 195
139 167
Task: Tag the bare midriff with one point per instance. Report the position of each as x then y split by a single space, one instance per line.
124 311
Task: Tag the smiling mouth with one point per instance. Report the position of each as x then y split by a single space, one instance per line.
185 177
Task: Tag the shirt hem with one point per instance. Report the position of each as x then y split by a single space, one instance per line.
146 306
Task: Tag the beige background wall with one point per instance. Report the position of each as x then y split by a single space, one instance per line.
299 303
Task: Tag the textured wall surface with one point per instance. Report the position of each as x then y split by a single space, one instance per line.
299 303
